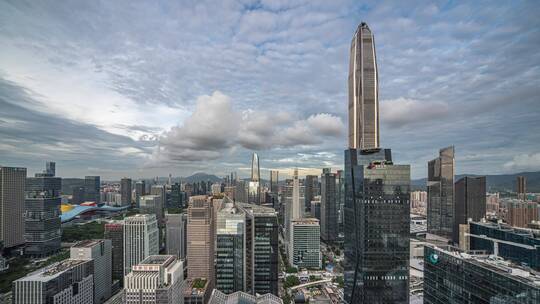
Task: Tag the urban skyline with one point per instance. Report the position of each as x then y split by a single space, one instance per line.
296 60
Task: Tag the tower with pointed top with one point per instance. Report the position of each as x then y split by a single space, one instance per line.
254 187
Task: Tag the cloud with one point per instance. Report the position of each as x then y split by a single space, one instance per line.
524 162
401 111
215 127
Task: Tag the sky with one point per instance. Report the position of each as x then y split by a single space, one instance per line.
147 88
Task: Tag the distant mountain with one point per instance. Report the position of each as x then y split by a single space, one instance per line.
503 182
201 177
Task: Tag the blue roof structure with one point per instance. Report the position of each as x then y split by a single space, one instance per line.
78 210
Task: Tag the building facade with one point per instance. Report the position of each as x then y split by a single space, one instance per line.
363 91
261 249
440 188
115 233
520 213
329 207
125 191
377 228
470 195
65 282
230 249
305 245
12 186
521 187
453 277
158 279
100 252
254 185
521 246
141 239
200 238
92 186
42 214
176 234
311 184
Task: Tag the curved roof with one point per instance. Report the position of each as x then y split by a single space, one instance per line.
78 210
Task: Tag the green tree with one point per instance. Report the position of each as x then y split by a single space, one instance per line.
291 281
291 269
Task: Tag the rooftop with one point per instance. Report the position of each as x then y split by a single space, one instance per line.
256 209
52 271
157 260
87 243
305 221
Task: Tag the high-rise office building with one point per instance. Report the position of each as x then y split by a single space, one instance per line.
141 239
470 202
329 207
92 186
316 207
158 279
521 246
376 211
100 252
311 184
12 186
177 197
50 168
115 233
68 281
521 187
140 190
42 213
363 91
440 188
241 191
274 181
451 276
261 249
230 249
200 238
176 233
254 186
125 191
377 227
305 244
294 202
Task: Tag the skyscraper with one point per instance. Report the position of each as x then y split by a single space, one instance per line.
294 202
254 187
140 190
125 190
115 233
158 279
230 249
305 244
153 204
42 213
376 217
50 168
440 188
363 91
176 233
311 185
274 181
329 207
521 187
92 187
99 251
141 239
470 202
200 238
261 249
12 185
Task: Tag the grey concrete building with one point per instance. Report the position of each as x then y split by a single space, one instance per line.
125 191
141 239
115 233
176 234
305 244
92 186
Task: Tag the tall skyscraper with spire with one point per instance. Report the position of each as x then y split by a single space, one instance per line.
254 187
376 210
363 91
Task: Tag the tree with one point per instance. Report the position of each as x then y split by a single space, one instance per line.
291 281
292 269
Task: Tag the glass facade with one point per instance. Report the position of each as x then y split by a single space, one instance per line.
451 277
42 215
377 195
470 193
329 208
518 245
230 249
440 188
